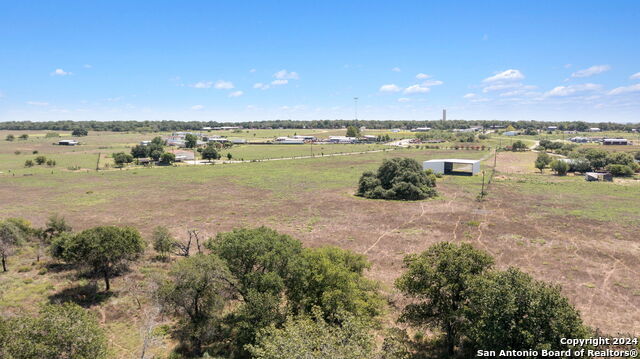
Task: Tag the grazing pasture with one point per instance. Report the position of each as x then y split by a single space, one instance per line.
582 236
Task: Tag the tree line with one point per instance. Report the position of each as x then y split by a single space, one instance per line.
258 293
154 126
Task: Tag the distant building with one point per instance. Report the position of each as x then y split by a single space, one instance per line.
594 129
552 128
68 142
453 166
597 176
145 143
580 139
238 141
342 139
289 141
616 141
510 133
421 129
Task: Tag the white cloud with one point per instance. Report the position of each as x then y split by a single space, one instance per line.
635 76
485 37
404 99
469 95
223 85
432 83
286 75
508 75
279 82
593 70
422 76
261 86
1 94
572 89
396 69
202 85
389 88
60 72
416 89
252 70
625 89
566 66
37 103
236 94
197 107
87 66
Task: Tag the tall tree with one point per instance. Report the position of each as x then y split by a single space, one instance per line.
60 331
106 249
437 279
196 292
11 236
512 311
191 140
353 131
163 241
332 280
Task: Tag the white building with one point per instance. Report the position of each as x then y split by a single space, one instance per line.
594 129
452 166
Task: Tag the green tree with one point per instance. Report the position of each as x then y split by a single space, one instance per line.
543 161
263 261
163 241
190 140
622 158
398 178
121 158
11 236
511 311
51 163
55 226
105 249
620 170
560 167
196 292
597 157
24 136
28 163
40 160
210 153
229 156
313 338
140 151
158 141
167 158
10 137
518 146
155 155
79 132
438 279
332 280
353 131
60 331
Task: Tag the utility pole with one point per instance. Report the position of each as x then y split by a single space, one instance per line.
482 191
98 163
355 101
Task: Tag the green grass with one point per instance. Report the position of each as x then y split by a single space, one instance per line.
572 195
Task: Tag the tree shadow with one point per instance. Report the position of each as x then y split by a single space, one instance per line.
85 295
57 267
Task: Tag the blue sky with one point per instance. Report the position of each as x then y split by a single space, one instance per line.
265 60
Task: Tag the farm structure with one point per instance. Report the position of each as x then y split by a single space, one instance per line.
67 142
453 166
616 141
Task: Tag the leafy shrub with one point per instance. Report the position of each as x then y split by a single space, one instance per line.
399 179
560 167
620 170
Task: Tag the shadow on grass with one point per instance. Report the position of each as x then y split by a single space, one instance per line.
56 267
84 295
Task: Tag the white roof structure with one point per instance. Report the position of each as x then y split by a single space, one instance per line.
445 166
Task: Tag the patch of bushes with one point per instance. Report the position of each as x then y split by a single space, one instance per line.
398 179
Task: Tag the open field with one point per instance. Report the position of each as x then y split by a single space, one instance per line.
583 236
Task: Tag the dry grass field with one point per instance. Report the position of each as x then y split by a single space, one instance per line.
582 236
